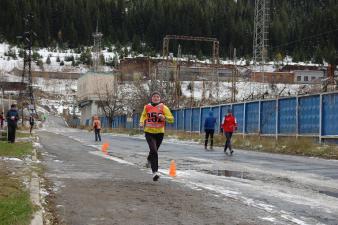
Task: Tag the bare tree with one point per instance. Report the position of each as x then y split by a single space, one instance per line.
139 96
111 100
141 90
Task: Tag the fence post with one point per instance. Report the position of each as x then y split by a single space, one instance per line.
219 118
244 113
200 121
297 117
320 117
277 117
259 117
191 116
183 119
176 120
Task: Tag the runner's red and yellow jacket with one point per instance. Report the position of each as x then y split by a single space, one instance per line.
150 118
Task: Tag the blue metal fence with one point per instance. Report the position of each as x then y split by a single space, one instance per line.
310 115
287 114
187 121
195 120
180 119
238 111
251 117
330 114
268 117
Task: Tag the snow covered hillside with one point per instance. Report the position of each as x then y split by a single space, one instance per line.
61 92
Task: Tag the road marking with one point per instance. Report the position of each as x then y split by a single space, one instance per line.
111 158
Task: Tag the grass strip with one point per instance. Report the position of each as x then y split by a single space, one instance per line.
15 205
17 150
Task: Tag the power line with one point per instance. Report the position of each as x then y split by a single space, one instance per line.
307 38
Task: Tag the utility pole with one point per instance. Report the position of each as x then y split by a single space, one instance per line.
216 70
233 79
97 47
177 78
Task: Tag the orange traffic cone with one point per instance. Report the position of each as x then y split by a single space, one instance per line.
104 148
172 169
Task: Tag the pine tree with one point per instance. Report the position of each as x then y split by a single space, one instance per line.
295 25
48 60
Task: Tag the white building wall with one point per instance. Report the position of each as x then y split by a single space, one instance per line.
308 76
88 111
89 85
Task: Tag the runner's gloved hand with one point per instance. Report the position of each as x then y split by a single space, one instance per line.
162 117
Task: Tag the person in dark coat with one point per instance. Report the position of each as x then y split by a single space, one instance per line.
209 128
12 118
31 123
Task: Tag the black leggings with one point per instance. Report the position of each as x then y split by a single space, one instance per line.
207 133
11 133
154 141
97 135
228 136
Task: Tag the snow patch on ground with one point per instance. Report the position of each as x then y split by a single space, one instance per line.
174 140
111 158
294 220
10 159
37 145
271 219
59 161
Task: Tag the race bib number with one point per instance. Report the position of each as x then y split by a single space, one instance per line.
12 117
154 117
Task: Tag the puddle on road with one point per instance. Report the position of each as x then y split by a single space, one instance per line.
229 173
329 193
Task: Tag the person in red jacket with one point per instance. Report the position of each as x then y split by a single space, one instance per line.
97 128
229 125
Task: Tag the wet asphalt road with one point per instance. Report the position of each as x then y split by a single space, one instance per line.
257 188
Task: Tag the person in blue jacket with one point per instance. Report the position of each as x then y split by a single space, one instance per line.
209 128
12 120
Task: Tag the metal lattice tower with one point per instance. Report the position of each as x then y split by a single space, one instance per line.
261 26
27 38
97 48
